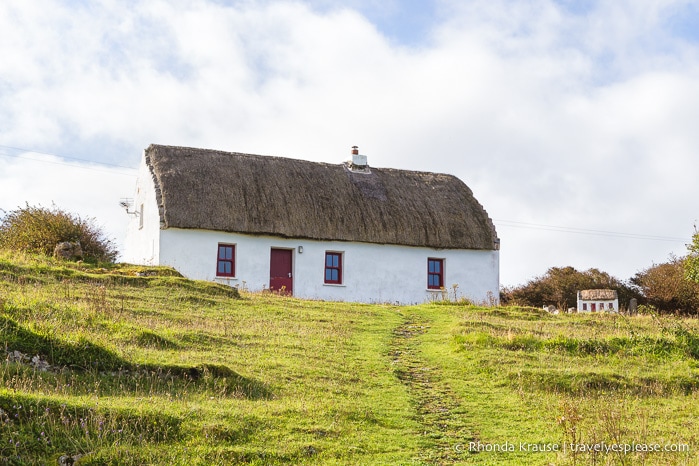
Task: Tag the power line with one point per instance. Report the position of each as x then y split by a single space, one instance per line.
587 231
62 156
76 166
73 165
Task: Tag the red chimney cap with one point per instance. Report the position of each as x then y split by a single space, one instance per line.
355 150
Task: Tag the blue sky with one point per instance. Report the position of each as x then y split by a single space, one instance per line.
408 22
571 121
684 22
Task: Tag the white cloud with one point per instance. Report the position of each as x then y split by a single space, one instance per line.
552 116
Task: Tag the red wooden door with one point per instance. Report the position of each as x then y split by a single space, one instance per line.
280 271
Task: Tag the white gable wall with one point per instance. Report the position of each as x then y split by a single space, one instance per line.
371 272
142 244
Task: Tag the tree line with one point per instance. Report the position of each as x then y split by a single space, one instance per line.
670 287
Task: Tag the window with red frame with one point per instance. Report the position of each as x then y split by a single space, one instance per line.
225 262
333 268
435 274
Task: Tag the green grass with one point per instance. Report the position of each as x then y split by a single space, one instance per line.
522 375
150 368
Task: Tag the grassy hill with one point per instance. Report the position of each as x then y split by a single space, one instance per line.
137 365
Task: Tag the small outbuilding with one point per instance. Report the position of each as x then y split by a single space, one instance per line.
598 301
344 232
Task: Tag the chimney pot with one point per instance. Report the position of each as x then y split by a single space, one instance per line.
355 150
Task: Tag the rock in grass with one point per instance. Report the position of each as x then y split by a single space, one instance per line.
68 250
69 459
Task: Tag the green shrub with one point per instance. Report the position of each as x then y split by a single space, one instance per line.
667 288
38 230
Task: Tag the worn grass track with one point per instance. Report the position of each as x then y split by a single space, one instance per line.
437 409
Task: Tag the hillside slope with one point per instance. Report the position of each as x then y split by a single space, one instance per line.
137 365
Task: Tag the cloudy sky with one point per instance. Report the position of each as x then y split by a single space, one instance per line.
574 122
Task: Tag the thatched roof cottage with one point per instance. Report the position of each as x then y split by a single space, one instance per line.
346 232
598 301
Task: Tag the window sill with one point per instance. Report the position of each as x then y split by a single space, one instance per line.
436 290
334 284
218 277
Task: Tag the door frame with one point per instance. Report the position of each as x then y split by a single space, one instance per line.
289 292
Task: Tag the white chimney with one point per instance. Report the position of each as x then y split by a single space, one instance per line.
358 160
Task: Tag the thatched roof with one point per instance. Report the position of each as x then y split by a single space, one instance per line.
254 194
591 295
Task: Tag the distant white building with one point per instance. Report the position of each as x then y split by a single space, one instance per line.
345 232
598 301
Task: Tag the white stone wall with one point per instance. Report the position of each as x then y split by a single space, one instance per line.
142 244
371 272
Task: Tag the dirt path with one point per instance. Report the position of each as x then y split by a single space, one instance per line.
435 404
